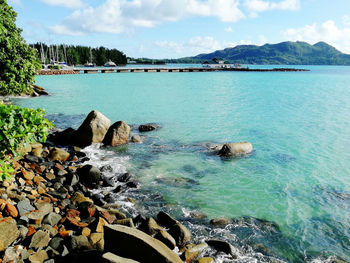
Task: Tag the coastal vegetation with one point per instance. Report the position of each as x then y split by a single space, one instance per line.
285 53
78 55
18 61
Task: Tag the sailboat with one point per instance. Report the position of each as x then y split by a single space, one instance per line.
89 64
110 63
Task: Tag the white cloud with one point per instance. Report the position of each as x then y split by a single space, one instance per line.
328 32
116 16
257 6
197 45
229 29
346 20
65 3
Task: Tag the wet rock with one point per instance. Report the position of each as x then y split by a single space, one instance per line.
89 174
221 221
264 226
180 233
106 168
197 215
8 232
123 240
150 226
166 238
125 177
71 179
87 209
117 213
79 243
236 149
40 239
148 127
52 219
39 257
165 219
98 199
136 139
223 246
192 253
132 184
92 130
117 134
108 181
57 154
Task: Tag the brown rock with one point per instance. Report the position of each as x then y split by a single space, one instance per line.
192 253
92 130
221 221
109 218
180 233
39 257
206 260
166 238
57 154
28 175
8 232
125 222
117 134
11 210
78 198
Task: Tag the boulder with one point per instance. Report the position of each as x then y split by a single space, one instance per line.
92 130
117 134
64 137
123 240
180 233
165 219
193 252
236 149
148 127
223 246
89 174
166 238
8 232
150 226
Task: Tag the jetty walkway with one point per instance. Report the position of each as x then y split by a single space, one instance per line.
154 70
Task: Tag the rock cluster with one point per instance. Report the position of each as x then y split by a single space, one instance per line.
57 72
97 128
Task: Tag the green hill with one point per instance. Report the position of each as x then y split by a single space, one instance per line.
287 53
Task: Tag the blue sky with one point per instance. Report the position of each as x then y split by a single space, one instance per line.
179 28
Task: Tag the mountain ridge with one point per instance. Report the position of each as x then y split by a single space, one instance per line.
287 53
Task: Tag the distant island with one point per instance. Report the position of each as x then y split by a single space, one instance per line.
284 53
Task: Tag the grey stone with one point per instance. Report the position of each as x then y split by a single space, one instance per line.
79 243
24 207
136 138
44 208
52 219
148 127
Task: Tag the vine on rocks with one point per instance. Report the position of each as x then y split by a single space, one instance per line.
18 127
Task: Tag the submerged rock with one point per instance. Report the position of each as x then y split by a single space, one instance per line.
221 221
123 240
148 127
136 139
117 134
89 174
92 130
236 149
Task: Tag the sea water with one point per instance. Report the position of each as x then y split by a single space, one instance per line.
298 176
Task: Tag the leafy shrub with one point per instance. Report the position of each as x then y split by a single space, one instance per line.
54 67
18 61
19 126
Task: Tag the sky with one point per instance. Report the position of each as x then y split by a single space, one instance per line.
180 28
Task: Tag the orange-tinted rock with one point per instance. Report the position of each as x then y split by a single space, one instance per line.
109 218
11 210
28 175
31 231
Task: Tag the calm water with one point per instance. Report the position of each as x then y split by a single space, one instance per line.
298 123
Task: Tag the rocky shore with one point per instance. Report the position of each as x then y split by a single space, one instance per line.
57 72
50 211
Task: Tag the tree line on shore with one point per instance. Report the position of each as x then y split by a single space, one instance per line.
78 55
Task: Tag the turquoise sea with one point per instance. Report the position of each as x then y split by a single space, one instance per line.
297 177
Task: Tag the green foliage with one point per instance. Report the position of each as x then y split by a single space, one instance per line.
21 125
287 53
18 61
54 67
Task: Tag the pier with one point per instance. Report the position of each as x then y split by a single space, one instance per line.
160 70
